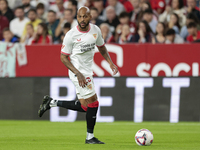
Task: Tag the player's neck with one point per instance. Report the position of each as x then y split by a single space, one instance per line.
86 29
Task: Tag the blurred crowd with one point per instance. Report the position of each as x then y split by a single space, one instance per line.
121 21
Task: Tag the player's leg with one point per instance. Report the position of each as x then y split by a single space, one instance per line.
49 102
92 107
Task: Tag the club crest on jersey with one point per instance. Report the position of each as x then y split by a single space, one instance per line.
95 36
89 86
79 40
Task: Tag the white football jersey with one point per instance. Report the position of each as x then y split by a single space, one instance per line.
80 46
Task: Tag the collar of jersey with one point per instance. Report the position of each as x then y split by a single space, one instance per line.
83 31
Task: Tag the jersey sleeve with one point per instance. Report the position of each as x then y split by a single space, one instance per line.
67 45
100 40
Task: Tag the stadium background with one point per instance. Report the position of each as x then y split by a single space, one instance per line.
167 90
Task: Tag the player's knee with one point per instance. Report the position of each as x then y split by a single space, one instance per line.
91 99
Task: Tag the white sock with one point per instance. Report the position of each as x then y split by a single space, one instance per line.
53 103
89 136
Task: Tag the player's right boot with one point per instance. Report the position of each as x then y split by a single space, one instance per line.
93 141
44 106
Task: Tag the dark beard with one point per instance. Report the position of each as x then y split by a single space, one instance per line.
83 27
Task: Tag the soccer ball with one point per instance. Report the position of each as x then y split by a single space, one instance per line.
144 137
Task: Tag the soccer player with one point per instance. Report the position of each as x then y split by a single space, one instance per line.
79 44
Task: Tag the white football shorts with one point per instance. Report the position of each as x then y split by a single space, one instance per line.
86 92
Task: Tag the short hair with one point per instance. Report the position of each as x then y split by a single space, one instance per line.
40 6
123 15
67 25
192 25
193 17
148 11
51 11
104 24
94 8
6 29
69 9
30 25
170 32
74 2
110 7
33 10
19 7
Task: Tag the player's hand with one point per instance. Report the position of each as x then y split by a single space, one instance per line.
114 69
81 80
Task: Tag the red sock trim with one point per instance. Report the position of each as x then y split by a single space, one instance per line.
94 104
84 108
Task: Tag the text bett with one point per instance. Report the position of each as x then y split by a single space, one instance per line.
138 84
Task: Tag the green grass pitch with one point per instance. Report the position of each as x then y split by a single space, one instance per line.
45 135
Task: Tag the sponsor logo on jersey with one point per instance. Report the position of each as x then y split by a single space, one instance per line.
79 40
63 46
95 36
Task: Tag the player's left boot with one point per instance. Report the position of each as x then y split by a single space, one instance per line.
93 141
44 106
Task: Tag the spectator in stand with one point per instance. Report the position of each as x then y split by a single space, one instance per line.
68 17
72 4
32 15
158 5
106 34
5 10
17 25
9 37
173 38
192 8
14 3
52 24
66 28
174 23
126 35
160 33
117 6
42 36
95 14
4 23
144 33
41 13
34 3
136 10
124 19
27 6
148 16
99 5
194 33
112 19
177 7
58 8
29 35
190 18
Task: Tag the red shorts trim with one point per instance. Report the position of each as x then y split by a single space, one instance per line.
64 53
94 104
84 108
101 45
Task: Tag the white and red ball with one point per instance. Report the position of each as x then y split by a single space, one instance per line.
144 137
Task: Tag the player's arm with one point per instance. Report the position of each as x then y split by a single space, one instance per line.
70 66
105 54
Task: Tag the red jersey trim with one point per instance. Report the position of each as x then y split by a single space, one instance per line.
101 45
83 31
64 53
